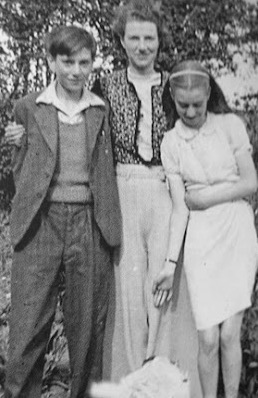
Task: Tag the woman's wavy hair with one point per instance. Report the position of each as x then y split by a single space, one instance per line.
137 10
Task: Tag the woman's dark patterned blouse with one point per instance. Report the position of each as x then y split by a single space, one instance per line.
125 113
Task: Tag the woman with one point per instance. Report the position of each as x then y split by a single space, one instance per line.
209 167
138 122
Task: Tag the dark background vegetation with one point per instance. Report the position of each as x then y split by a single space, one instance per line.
212 31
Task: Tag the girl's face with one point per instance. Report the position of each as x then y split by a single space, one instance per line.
191 105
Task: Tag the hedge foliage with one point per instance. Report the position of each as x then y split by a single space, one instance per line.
210 31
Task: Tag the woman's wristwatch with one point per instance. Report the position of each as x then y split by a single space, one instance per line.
170 260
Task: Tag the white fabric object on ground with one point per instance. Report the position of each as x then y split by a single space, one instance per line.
158 378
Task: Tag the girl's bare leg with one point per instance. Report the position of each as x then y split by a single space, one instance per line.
231 354
208 360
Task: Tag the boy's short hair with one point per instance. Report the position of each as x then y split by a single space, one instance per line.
67 40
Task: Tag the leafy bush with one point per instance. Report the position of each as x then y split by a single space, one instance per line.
5 274
6 180
197 29
249 380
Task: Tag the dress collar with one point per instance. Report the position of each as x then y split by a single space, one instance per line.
188 133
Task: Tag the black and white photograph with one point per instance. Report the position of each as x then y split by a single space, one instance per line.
128 199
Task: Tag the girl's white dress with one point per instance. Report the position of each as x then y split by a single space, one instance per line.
221 242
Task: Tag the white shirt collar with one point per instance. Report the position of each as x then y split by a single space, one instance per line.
49 96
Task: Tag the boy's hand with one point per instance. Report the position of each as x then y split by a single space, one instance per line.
14 133
162 285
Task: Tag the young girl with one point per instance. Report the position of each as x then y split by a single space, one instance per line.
210 171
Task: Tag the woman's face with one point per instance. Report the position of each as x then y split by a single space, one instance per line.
191 105
141 44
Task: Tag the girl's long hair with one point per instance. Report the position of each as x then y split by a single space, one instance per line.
180 78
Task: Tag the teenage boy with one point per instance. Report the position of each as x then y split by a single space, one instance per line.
65 216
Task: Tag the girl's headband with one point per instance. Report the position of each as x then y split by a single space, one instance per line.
189 72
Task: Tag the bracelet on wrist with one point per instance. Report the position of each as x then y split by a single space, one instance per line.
170 260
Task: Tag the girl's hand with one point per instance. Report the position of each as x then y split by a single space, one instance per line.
14 133
162 285
197 199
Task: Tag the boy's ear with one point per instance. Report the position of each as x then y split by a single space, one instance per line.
122 41
209 92
171 93
51 63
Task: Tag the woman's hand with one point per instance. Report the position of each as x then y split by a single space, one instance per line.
162 285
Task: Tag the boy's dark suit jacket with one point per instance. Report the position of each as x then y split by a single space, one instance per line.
34 164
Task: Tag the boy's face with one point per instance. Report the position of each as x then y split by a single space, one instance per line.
72 72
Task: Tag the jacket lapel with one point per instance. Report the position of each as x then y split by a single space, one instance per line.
94 120
46 118
47 121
